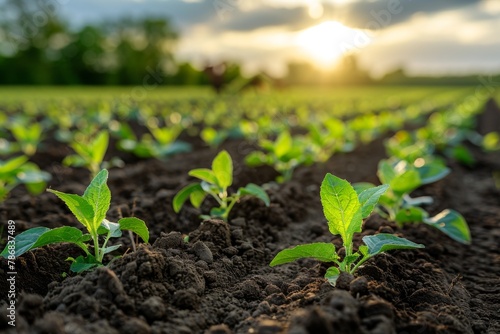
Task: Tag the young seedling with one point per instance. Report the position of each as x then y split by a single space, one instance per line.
285 154
28 136
330 136
345 210
491 142
90 210
215 182
397 205
160 144
213 137
90 151
18 170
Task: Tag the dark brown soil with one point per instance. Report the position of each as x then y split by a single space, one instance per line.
220 281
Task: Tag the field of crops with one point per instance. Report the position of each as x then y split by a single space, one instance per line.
173 210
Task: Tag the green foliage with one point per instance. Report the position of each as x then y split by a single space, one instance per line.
19 170
446 132
330 136
397 205
90 151
212 137
491 141
90 210
345 210
284 154
160 143
215 182
28 136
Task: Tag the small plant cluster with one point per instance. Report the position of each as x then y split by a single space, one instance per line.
90 210
215 182
19 170
284 154
396 204
79 125
445 132
90 150
160 143
345 210
413 163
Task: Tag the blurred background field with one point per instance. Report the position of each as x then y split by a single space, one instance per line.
234 45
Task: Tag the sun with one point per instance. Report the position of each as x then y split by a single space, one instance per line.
326 42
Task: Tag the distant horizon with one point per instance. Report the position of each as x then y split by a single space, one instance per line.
424 37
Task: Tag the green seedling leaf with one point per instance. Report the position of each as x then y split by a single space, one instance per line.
362 186
197 197
332 274
184 194
33 176
110 249
100 146
383 242
463 155
135 225
102 230
406 182
36 188
61 234
341 207
222 167
127 144
98 196
348 260
213 137
255 159
417 201
218 212
204 174
173 148
385 172
12 164
81 264
363 249
82 154
79 206
451 223
283 144
24 241
411 215
74 160
491 141
257 191
369 199
432 172
109 227
320 251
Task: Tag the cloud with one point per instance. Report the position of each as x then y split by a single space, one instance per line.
361 14
247 15
446 41
237 20
357 14
442 34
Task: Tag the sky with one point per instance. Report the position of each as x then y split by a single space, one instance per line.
422 36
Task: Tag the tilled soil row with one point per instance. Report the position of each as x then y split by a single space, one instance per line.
220 281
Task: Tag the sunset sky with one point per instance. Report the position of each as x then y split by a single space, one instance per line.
423 36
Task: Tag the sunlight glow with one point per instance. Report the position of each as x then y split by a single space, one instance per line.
327 42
